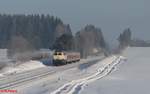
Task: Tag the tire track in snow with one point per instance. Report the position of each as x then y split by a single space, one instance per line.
75 86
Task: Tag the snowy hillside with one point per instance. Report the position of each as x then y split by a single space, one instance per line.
131 77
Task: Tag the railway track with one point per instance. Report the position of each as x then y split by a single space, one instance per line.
12 81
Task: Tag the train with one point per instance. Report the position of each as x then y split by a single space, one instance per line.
63 57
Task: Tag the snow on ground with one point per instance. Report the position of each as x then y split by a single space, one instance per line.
8 66
25 66
53 82
130 77
75 86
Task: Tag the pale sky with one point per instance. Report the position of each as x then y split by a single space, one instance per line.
112 16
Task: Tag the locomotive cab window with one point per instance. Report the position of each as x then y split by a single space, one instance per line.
59 53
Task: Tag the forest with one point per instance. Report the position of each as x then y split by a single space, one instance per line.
21 33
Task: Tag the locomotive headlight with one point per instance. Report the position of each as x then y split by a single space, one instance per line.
55 57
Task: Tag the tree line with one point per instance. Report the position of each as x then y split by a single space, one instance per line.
38 30
20 33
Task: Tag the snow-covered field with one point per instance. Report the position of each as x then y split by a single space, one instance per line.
71 80
126 74
47 84
75 86
68 79
131 77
